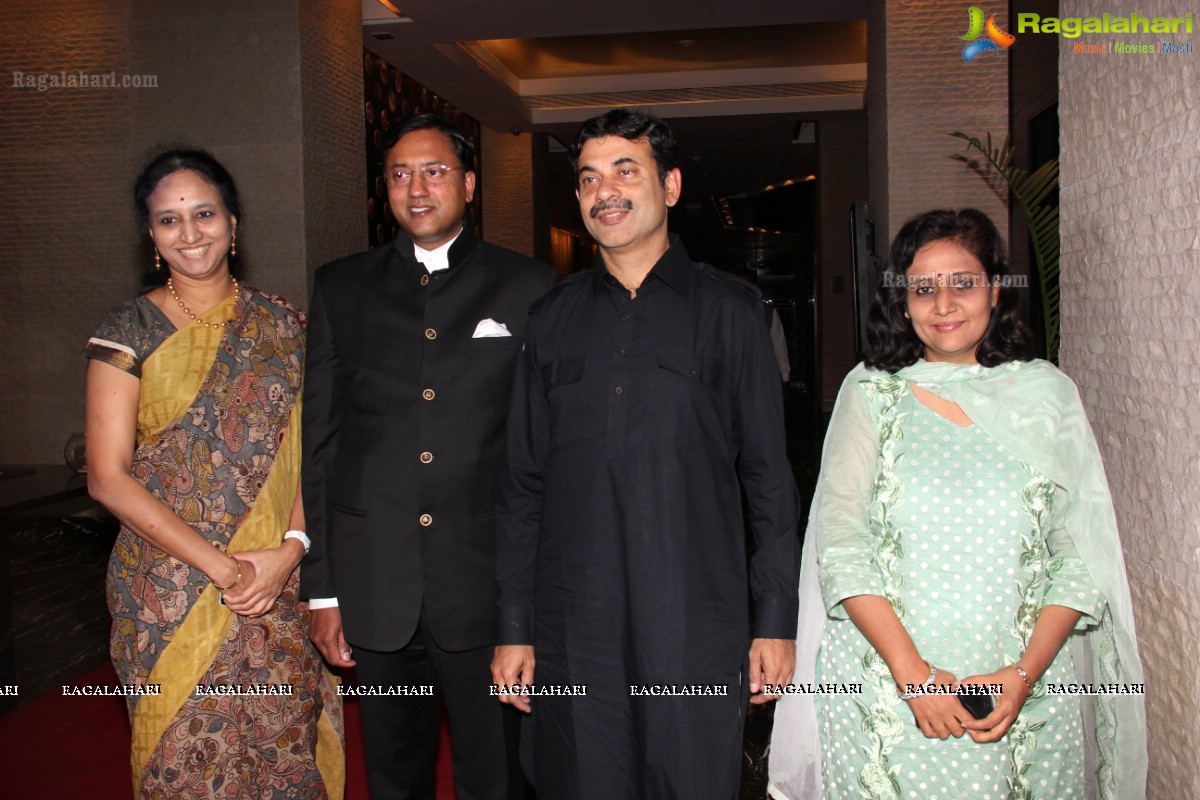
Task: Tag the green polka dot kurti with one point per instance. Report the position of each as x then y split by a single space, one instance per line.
967 546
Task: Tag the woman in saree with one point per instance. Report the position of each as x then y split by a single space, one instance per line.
193 410
962 571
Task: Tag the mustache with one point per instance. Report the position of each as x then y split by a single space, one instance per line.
600 208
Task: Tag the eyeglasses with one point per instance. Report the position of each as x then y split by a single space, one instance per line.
433 173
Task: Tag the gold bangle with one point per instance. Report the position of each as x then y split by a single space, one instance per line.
236 580
1024 675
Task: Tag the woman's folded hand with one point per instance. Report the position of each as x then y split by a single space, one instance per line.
264 573
937 712
1013 694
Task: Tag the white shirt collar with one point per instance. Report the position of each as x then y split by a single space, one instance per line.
437 259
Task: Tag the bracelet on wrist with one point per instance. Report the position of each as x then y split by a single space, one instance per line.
299 536
920 690
236 580
1024 675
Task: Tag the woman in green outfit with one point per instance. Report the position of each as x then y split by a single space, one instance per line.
962 533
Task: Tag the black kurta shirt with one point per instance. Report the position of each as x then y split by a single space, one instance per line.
621 550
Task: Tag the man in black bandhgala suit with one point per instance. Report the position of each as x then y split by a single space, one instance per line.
411 349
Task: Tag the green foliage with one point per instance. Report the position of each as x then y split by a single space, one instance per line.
1033 193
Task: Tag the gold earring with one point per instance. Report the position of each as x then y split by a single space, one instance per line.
157 260
906 316
233 245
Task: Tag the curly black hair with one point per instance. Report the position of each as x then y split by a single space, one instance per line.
892 344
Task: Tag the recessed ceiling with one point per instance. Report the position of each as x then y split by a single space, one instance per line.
734 92
758 47
534 63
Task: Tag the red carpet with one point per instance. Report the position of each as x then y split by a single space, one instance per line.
64 748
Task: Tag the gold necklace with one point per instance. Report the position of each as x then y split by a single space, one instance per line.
188 311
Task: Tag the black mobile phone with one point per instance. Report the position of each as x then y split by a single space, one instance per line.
978 705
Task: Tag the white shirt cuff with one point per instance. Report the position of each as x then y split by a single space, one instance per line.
322 602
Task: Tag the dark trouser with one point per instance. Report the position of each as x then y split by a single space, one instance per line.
400 734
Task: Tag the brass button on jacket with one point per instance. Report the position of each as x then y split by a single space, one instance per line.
430 333
429 394
426 520
426 457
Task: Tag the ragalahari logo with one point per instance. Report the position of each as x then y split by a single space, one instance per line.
984 37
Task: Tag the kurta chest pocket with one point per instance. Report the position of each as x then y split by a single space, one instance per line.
573 415
693 367
564 372
685 397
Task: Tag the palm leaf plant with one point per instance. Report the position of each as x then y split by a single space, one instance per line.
1036 194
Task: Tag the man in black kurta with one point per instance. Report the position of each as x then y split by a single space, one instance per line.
645 401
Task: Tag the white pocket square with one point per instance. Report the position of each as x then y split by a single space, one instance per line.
488 328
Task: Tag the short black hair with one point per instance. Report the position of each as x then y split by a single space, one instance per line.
892 344
463 150
167 163
629 125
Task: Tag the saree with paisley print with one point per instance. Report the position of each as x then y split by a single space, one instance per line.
218 441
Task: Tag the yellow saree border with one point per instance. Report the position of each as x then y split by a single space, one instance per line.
199 637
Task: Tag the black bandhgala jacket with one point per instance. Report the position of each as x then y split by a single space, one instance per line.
404 414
